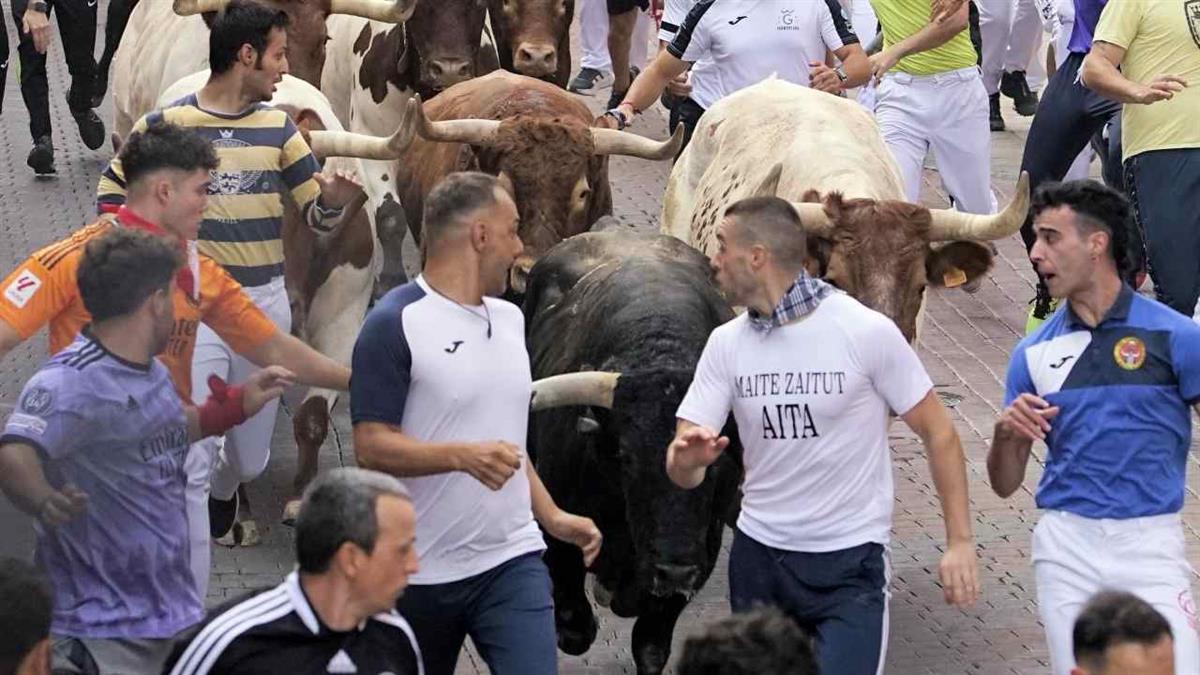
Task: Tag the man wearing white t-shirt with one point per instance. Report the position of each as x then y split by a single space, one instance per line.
442 401
745 42
810 375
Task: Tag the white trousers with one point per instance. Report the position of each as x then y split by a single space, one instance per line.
947 114
1009 30
1076 557
593 37
247 447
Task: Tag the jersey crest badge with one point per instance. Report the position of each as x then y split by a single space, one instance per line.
37 401
1130 353
22 289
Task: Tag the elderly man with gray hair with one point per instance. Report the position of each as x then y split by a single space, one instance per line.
355 552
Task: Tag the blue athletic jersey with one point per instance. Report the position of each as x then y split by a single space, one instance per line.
1118 447
117 431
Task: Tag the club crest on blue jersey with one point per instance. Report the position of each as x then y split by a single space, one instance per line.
1130 353
37 401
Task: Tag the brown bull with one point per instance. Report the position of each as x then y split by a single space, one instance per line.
537 138
532 37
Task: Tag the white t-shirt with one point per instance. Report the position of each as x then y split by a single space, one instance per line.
747 41
811 400
426 365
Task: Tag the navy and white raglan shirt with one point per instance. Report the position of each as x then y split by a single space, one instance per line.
278 631
1119 445
747 41
425 364
117 431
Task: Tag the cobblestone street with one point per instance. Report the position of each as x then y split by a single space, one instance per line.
965 344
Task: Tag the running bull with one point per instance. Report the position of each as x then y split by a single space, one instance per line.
616 323
541 142
826 154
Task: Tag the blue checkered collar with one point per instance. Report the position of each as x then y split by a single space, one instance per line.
801 298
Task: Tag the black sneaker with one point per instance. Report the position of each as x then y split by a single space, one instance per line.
41 157
994 117
222 515
587 80
91 129
1014 86
99 87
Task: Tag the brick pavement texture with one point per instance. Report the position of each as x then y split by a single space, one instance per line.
965 344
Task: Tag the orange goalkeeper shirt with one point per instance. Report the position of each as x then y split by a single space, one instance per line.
43 290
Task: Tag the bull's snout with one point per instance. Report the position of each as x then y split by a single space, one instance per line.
442 73
536 60
670 579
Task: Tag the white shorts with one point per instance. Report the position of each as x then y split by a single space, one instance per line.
1076 557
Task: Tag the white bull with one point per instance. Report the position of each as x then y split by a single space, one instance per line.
825 154
167 41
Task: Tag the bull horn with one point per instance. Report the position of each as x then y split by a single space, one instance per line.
950 225
472 131
190 7
813 218
613 142
327 144
587 388
389 11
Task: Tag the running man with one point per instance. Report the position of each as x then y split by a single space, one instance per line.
816 518
1108 383
95 451
167 174
263 160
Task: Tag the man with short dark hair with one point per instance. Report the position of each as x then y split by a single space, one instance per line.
810 375
760 642
1120 634
167 169
263 161
24 619
95 451
355 549
1108 383
440 398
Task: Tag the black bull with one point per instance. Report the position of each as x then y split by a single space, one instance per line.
642 306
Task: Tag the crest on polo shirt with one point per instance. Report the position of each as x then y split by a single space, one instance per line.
1130 353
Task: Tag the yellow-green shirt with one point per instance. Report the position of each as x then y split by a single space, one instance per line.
902 18
1160 37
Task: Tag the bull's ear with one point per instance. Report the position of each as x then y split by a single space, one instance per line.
959 263
307 121
819 250
468 159
769 185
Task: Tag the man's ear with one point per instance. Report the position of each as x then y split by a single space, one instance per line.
247 56
163 191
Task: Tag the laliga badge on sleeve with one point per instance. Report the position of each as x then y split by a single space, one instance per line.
954 277
1130 353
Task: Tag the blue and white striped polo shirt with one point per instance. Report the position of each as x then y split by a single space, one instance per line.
1118 447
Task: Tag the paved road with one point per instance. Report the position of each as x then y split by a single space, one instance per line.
965 345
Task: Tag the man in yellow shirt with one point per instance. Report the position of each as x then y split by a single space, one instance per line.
930 97
1156 45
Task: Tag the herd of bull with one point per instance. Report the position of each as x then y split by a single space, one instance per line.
616 321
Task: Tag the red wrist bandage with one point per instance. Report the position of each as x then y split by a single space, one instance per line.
223 410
